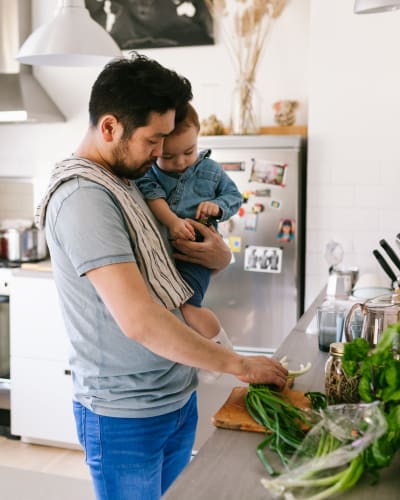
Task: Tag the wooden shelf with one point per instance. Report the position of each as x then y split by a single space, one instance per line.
281 130
289 130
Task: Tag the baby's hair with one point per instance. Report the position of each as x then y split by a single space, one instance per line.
191 119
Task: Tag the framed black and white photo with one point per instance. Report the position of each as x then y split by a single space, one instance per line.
263 259
145 24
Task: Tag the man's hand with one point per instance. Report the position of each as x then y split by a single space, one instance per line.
212 252
263 370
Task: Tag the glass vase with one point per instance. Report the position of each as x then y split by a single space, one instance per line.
245 108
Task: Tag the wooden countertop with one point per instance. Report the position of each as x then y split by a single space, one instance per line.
227 468
42 266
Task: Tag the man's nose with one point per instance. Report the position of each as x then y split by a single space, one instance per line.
157 151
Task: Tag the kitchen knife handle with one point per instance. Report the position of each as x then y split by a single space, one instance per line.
389 250
385 266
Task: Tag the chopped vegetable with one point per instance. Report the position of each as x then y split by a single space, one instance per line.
295 373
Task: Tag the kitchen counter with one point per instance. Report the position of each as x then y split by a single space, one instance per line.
42 266
227 467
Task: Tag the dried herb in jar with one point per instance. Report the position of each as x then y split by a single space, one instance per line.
339 387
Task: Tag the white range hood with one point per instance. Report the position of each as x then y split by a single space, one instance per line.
22 98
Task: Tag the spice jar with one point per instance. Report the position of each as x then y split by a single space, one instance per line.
339 388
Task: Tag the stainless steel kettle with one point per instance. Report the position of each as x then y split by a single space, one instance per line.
341 282
379 313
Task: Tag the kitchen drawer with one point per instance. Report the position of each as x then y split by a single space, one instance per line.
36 324
41 401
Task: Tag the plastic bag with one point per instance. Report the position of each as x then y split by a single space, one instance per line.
341 435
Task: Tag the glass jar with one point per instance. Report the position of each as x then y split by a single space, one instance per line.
245 108
339 388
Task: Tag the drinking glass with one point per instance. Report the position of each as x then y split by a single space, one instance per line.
330 320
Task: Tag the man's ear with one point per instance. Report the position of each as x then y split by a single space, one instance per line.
109 127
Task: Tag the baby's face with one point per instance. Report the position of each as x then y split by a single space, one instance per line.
179 151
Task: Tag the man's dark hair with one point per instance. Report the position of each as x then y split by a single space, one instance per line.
130 89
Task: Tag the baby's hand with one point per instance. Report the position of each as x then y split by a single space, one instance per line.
207 209
182 229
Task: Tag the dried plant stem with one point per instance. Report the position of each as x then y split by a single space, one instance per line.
245 31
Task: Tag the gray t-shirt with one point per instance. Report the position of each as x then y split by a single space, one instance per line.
112 374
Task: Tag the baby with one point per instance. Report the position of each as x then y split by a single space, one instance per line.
186 185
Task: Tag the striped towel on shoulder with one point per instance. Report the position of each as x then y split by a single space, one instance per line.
155 264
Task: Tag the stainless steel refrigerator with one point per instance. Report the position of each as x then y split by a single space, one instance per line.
259 296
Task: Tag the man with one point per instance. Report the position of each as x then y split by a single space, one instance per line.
133 360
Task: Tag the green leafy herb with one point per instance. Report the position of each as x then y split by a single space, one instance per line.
317 400
378 371
379 380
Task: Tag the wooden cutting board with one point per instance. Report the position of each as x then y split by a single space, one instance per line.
233 414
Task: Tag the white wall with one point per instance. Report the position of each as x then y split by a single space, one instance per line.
354 109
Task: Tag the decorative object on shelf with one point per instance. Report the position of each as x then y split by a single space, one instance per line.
211 126
244 26
285 112
246 104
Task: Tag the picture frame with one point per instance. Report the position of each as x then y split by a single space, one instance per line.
268 172
263 259
145 24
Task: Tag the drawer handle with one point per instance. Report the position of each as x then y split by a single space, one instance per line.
67 372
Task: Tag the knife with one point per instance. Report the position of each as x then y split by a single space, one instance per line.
389 250
385 266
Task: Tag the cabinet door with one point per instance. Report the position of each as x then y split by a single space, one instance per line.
36 324
41 401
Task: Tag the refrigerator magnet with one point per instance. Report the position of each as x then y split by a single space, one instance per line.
263 259
233 258
275 204
262 192
286 231
268 172
257 208
250 222
235 243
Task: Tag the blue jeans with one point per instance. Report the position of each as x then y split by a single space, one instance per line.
136 458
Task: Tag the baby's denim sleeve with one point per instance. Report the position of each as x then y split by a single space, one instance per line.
150 187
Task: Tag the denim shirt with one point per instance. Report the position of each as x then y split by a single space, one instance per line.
204 181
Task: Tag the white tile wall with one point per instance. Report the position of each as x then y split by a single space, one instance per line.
353 157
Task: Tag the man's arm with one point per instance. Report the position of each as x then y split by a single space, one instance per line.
125 294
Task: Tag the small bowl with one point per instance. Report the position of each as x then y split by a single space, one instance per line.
370 280
370 292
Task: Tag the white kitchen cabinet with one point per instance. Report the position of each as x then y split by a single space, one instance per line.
41 386
41 401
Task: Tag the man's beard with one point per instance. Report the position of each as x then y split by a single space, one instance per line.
122 171
120 168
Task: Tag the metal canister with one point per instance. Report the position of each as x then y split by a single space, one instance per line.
339 387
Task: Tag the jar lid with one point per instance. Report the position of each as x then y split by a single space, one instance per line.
337 348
